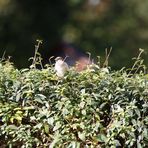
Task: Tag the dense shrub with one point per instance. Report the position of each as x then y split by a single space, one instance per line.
92 108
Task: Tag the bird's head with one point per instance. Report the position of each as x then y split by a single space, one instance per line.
58 58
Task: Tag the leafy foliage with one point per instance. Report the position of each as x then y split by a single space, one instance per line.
86 109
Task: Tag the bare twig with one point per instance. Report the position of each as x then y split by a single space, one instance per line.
3 56
137 62
36 51
105 64
65 57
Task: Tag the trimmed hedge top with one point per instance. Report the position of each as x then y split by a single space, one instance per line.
92 108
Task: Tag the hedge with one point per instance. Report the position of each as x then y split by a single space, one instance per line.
92 108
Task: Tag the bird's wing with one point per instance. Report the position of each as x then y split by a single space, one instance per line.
66 66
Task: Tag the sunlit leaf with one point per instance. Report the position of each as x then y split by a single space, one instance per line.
46 127
57 126
81 135
101 138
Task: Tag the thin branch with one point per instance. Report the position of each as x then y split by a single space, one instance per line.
107 57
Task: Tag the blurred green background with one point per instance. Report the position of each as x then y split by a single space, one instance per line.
88 25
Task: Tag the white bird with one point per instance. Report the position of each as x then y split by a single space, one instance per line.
60 66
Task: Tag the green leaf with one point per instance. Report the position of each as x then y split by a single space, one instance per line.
83 91
103 105
18 96
65 111
55 140
39 98
81 135
138 112
26 69
145 133
83 112
46 127
39 125
12 127
29 108
101 138
82 104
57 126
50 121
117 143
74 144
139 145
